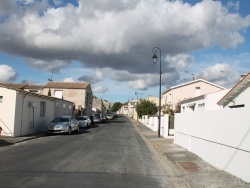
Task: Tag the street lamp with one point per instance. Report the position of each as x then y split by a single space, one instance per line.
155 50
33 107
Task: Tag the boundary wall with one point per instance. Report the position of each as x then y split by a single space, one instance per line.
220 137
152 123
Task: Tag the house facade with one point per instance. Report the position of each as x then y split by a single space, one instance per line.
98 106
203 102
238 96
124 109
192 89
23 113
80 93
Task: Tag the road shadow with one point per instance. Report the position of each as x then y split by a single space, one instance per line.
5 143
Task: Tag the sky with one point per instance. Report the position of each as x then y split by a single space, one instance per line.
109 43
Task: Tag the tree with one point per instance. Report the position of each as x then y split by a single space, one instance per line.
145 107
49 92
116 106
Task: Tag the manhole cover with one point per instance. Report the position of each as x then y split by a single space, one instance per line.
188 166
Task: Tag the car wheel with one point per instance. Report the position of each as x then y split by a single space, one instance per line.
69 131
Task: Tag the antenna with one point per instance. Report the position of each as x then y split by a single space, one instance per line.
52 72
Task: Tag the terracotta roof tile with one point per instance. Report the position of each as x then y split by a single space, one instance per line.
15 86
67 85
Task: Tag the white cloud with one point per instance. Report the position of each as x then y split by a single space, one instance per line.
119 35
48 65
96 77
7 74
100 89
70 79
223 74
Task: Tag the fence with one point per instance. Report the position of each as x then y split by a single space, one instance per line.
220 137
152 123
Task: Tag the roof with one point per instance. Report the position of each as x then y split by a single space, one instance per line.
243 84
21 86
67 85
31 93
193 99
15 86
192 82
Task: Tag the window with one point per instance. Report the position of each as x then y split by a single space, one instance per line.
59 94
1 99
42 108
201 106
197 91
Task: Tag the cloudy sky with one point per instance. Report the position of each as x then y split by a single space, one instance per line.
109 43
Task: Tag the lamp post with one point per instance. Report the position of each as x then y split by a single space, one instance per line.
33 107
155 50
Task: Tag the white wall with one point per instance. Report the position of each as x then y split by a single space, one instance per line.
213 98
24 115
221 137
152 123
7 111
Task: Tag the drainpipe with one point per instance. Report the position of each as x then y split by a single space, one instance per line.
24 95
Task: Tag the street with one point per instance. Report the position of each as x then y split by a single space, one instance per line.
112 154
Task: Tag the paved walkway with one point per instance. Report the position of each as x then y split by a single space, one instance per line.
194 170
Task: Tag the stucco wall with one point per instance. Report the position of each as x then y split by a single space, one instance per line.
63 108
220 137
24 115
7 111
77 96
152 123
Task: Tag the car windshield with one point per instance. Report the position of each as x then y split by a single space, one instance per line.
61 119
97 115
80 118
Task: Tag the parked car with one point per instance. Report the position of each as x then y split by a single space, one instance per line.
109 116
63 124
83 121
114 114
97 118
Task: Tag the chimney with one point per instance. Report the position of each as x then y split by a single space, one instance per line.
242 76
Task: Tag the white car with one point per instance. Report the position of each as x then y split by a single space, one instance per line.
83 121
109 116
63 124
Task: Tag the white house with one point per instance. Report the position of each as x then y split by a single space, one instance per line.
23 113
238 96
203 102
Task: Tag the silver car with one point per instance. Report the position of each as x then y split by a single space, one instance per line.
83 121
63 124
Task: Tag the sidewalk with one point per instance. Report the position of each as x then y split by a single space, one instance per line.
6 141
194 170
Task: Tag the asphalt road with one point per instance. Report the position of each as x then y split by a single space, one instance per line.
112 154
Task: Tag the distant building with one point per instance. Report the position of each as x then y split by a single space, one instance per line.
79 93
192 89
